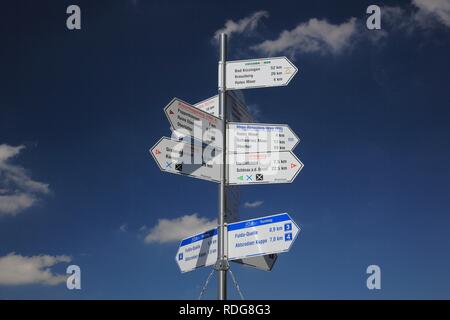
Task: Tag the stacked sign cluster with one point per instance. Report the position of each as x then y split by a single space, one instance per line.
257 153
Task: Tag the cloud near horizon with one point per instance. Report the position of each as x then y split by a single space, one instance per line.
253 204
173 230
18 191
21 270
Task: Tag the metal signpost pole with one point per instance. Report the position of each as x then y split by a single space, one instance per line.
222 259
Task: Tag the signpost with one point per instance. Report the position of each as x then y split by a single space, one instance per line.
182 158
222 265
259 73
261 236
249 154
263 168
260 137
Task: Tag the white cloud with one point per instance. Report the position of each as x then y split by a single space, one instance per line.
7 152
171 230
310 37
439 9
17 190
245 25
422 15
397 17
320 36
253 204
15 203
19 270
123 228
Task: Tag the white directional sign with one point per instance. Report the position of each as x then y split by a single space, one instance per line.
210 105
261 236
259 73
186 159
197 251
260 137
263 167
194 122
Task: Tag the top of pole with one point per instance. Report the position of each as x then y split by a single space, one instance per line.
223 47
223 58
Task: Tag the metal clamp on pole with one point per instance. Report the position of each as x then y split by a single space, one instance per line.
221 78
222 265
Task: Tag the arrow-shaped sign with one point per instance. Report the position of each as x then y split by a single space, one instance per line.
259 73
263 167
197 251
189 120
182 158
261 236
260 137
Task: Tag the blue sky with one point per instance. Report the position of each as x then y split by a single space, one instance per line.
80 109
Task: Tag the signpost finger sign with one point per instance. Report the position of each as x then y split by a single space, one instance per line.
259 73
186 159
261 236
195 122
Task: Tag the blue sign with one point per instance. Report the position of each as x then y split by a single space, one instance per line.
261 236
